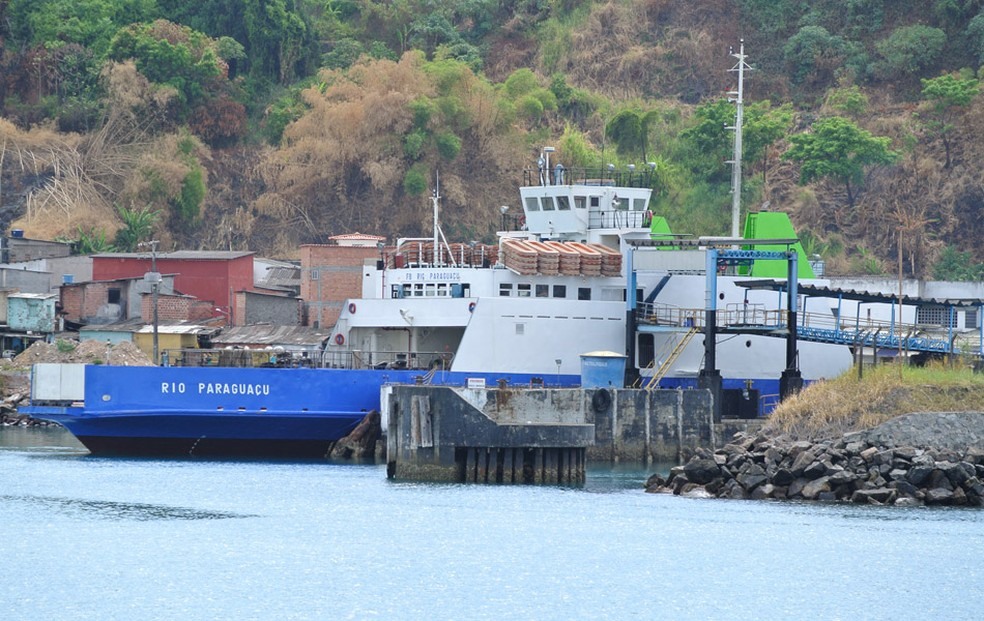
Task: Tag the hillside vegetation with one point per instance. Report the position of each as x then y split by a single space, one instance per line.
263 124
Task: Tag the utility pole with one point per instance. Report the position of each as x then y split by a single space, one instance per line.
154 278
737 97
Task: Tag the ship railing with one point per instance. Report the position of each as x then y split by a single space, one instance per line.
619 219
237 357
385 360
603 176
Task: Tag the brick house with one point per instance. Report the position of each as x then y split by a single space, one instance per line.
108 301
332 273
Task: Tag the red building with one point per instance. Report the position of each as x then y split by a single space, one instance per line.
215 276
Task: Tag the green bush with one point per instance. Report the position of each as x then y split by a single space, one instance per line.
415 181
413 144
448 145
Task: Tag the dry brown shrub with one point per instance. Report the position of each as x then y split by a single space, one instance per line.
831 408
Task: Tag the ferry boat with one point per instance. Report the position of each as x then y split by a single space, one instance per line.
520 312
576 271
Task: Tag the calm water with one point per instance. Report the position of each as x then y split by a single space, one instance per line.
93 538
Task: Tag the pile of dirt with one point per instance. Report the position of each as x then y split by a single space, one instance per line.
88 352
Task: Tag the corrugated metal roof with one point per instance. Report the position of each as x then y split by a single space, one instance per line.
180 255
271 335
33 296
138 326
357 236
860 296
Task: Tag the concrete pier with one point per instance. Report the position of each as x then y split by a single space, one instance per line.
647 426
520 435
484 435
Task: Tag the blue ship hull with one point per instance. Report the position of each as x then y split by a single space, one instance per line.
224 411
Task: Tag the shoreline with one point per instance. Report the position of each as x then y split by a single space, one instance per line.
918 459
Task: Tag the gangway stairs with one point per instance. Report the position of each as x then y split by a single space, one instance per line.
670 359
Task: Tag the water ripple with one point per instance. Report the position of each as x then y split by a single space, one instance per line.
110 510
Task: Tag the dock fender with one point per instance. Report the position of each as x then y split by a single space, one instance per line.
601 400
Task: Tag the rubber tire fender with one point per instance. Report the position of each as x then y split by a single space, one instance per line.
601 400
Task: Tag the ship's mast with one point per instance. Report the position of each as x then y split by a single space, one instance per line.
736 97
436 198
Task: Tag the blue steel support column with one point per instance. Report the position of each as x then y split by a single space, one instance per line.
709 377
631 372
950 320
791 380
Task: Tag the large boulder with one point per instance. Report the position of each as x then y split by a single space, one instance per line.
702 470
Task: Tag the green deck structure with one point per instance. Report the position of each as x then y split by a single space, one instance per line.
773 225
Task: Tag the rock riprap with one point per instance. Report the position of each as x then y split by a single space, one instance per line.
916 459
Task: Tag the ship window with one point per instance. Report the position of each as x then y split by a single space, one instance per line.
970 318
418 289
523 290
520 329
584 293
543 291
646 351
505 289
560 291
594 201
620 204
406 291
638 204
532 204
548 203
563 203
580 202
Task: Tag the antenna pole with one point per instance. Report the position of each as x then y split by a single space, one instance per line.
436 197
737 97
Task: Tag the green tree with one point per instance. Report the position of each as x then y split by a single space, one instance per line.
762 126
90 23
947 95
956 265
910 49
171 54
839 149
138 225
629 129
975 36
276 38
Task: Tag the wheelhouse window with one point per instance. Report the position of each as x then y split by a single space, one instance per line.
505 289
584 293
580 202
523 290
560 291
548 204
543 291
563 203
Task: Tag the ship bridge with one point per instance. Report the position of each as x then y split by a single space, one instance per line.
566 203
